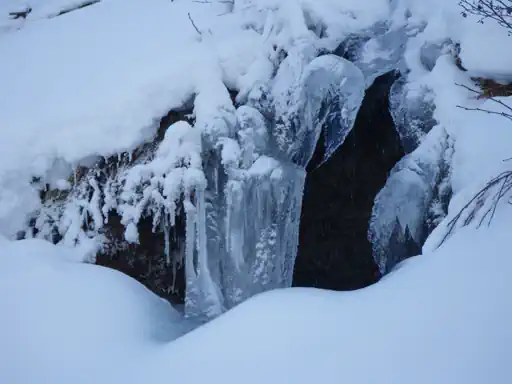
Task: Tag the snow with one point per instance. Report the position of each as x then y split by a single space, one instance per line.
174 171
95 82
39 10
61 317
428 322
439 318
87 90
481 54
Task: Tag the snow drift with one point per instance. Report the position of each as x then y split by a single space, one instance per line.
439 318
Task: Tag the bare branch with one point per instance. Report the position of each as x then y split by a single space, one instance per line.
503 114
194 25
493 99
468 88
501 12
497 10
477 201
20 14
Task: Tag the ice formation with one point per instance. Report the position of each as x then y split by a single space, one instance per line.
328 98
228 177
260 82
238 187
413 201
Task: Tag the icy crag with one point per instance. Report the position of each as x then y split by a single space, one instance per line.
452 153
221 188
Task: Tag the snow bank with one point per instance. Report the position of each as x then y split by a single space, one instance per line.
60 316
481 54
439 318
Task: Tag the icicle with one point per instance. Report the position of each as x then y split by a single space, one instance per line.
166 227
190 234
207 285
177 259
235 228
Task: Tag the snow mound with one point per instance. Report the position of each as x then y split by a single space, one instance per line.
430 321
59 315
438 318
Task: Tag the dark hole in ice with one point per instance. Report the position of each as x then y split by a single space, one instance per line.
334 252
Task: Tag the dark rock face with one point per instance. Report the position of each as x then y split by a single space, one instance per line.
334 252
146 261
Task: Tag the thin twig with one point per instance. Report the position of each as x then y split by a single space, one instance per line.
497 199
490 98
451 225
468 88
502 114
493 99
496 10
194 25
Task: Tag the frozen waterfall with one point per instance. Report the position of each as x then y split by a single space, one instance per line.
228 174
233 178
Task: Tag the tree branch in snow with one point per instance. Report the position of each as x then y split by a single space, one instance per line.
503 114
194 25
497 10
20 14
504 180
493 99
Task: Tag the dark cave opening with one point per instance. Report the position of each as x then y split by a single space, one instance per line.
334 252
